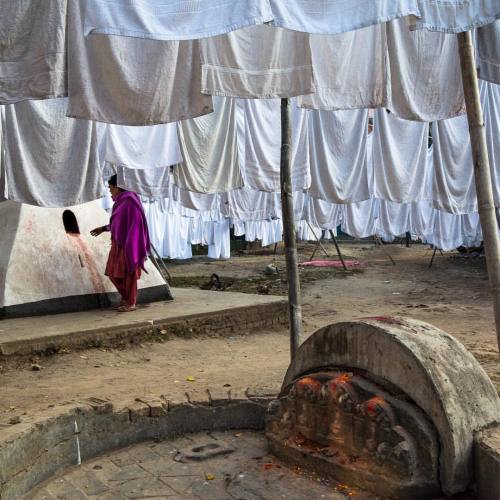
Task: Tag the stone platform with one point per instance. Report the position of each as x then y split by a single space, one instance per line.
192 312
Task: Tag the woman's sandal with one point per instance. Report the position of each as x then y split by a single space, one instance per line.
124 309
121 304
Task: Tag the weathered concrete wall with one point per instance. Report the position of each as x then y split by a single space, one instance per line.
428 365
34 453
487 464
39 261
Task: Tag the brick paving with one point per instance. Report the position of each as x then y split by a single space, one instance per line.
153 471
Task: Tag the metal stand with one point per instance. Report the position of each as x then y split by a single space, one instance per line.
380 243
157 261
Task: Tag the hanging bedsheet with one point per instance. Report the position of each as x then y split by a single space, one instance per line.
453 187
32 50
338 156
250 205
260 142
173 19
488 52
209 148
400 167
150 182
257 62
155 146
426 83
132 81
350 70
49 160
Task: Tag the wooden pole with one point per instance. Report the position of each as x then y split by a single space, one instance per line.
482 173
292 268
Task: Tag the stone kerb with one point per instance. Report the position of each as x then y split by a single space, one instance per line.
32 453
432 368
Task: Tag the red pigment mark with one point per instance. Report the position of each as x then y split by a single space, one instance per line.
95 276
385 319
308 383
341 379
373 404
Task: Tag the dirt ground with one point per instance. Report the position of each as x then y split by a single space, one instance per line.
452 295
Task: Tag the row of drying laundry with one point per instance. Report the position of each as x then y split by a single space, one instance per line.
50 160
173 228
149 76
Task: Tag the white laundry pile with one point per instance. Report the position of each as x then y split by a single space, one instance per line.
330 17
32 50
488 52
132 81
426 82
47 159
259 144
350 70
400 167
257 62
173 19
338 155
209 148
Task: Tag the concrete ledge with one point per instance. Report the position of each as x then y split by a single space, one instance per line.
32 453
487 464
193 313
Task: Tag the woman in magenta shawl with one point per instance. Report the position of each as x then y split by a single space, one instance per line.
129 243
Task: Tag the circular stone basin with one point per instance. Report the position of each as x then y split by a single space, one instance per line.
215 465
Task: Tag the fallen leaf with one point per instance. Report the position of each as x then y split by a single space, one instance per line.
209 477
190 379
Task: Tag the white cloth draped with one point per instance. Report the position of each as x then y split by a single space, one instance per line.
400 167
257 62
32 50
131 81
151 182
488 52
339 163
426 82
209 148
47 159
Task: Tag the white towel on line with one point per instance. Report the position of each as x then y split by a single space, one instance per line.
488 52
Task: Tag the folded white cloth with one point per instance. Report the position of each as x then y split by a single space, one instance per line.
131 81
209 148
401 170
49 160
350 70
426 82
155 146
257 62
338 156
32 50
488 52
173 19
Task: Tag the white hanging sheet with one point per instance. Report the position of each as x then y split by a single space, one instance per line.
338 16
173 19
426 82
453 181
209 148
338 155
400 167
350 70
323 214
32 50
248 204
221 247
130 81
196 201
155 146
257 62
359 220
261 144
151 182
455 16
490 99
488 52
49 160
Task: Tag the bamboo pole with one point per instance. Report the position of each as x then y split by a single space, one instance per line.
482 173
292 269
